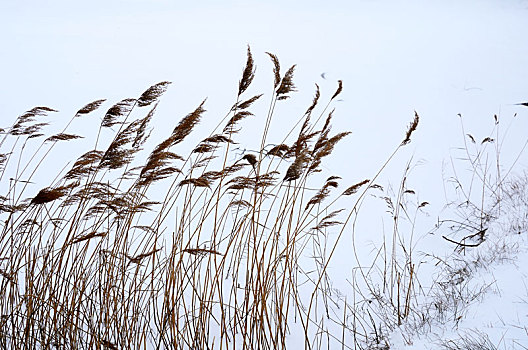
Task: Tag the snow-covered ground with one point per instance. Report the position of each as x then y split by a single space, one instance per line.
480 298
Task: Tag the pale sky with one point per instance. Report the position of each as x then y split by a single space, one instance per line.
439 58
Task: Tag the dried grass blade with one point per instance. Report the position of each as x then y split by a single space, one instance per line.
339 89
315 100
47 194
278 151
248 74
234 120
199 182
247 103
186 125
286 85
84 165
201 251
217 139
62 137
20 129
295 170
354 188
90 107
276 69
137 259
412 126
88 236
324 191
118 110
141 135
487 139
152 93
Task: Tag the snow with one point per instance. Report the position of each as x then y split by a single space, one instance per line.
496 317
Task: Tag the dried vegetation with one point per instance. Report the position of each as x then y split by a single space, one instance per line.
228 257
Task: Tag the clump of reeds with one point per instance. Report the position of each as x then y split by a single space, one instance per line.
91 260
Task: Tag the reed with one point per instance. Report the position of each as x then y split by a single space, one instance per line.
128 250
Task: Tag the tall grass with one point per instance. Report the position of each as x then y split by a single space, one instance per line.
233 254
419 293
